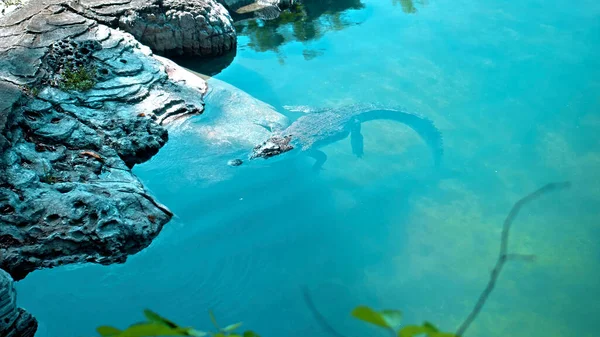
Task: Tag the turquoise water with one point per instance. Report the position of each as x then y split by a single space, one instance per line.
514 88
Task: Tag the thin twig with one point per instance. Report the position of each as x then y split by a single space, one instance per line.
318 316
503 255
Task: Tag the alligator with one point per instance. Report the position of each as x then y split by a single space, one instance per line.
318 128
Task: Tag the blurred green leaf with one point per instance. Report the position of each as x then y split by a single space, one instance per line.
151 329
196 333
108 331
412 330
392 317
369 315
232 327
430 327
442 334
157 325
426 329
154 317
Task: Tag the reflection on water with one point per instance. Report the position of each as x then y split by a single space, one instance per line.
408 6
302 22
207 66
307 21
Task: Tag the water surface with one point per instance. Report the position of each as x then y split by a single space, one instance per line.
513 86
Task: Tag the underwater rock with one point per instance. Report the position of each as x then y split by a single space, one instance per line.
67 193
14 322
233 122
235 162
240 119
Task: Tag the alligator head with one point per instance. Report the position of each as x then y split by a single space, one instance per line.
272 147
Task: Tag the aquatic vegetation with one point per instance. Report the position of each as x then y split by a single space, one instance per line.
156 325
408 6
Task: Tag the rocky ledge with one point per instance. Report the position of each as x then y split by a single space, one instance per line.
82 101
14 322
67 193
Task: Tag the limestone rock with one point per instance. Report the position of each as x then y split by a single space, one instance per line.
169 27
9 6
14 322
67 193
81 103
261 9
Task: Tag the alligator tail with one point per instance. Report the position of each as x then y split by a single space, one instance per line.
421 125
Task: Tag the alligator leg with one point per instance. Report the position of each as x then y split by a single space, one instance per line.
320 158
356 139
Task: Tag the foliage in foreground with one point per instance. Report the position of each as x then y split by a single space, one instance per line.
390 320
156 325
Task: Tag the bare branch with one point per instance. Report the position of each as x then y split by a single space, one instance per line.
503 255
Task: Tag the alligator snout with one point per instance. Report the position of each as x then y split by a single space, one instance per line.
274 146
